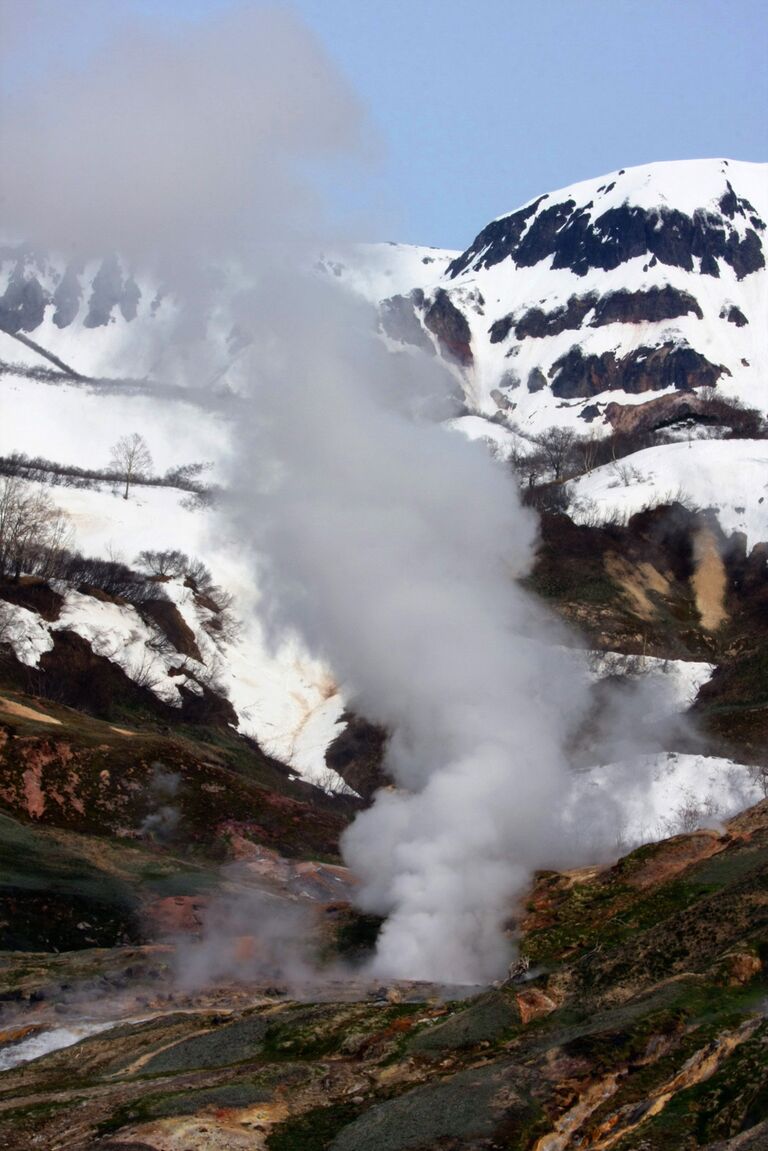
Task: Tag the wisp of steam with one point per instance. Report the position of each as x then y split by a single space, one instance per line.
391 545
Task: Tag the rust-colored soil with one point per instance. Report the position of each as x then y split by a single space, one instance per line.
23 712
709 581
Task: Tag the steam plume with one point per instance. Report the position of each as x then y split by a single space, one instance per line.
393 547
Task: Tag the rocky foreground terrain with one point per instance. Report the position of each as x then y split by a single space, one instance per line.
640 1023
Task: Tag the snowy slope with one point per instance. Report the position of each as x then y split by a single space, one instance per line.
377 271
551 313
117 324
621 805
287 701
684 237
77 423
729 476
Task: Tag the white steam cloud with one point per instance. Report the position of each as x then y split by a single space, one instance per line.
393 547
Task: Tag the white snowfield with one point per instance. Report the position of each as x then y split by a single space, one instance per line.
680 679
44 1042
78 423
687 185
621 805
146 347
377 271
283 698
728 476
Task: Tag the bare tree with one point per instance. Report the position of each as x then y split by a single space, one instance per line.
130 459
7 631
557 448
32 529
587 452
528 466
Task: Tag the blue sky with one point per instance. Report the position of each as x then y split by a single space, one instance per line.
477 106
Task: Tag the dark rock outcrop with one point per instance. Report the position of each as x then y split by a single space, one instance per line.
67 297
444 319
575 375
106 293
536 380
498 240
571 238
734 315
537 323
357 755
676 408
129 301
174 627
110 290
22 305
648 306
621 307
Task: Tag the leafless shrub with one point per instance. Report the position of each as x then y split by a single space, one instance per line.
32 529
144 672
221 624
332 783
627 474
758 773
690 815
557 446
168 564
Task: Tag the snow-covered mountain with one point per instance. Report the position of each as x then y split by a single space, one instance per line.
639 285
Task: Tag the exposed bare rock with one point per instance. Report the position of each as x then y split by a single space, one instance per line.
634 419
649 306
645 369
536 380
173 625
450 326
67 296
673 856
534 1004
569 235
735 316
624 307
537 323
357 755
175 915
22 306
